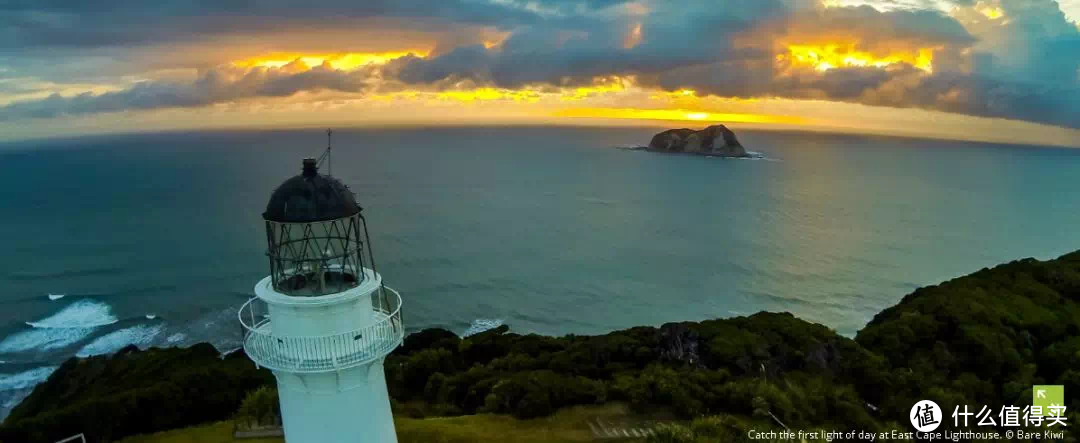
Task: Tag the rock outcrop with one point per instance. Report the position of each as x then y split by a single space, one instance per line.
716 140
679 343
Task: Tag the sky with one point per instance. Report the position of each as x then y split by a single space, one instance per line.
986 70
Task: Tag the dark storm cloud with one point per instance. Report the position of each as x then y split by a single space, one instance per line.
898 86
40 24
697 48
1033 74
879 29
693 48
676 35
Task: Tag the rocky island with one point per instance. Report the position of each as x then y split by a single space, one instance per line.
715 140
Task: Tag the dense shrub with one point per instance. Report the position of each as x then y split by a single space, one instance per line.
983 339
539 393
133 392
260 407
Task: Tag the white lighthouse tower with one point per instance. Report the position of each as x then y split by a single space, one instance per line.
323 321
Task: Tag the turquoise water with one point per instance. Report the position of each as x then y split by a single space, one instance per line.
157 239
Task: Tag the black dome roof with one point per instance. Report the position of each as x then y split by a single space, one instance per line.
310 197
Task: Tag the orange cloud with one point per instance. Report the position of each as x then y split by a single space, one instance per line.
343 61
830 56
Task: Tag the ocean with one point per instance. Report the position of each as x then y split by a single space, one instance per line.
156 240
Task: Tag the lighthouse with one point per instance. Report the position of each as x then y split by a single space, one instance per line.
323 321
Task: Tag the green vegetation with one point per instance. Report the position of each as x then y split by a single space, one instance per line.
260 406
566 426
982 339
133 392
705 429
220 432
744 366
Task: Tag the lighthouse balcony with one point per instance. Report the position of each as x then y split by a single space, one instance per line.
323 353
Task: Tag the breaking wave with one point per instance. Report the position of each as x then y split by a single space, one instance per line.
24 380
176 338
81 314
15 387
482 324
141 336
70 325
55 297
43 339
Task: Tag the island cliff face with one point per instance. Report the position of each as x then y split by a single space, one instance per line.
715 140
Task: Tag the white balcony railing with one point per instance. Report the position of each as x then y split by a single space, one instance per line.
326 352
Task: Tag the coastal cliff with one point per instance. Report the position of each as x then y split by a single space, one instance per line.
716 140
981 339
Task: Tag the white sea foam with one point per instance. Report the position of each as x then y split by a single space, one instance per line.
43 339
482 324
230 351
140 335
27 379
751 155
81 314
151 316
55 297
176 338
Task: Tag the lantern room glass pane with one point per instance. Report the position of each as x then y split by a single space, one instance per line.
317 258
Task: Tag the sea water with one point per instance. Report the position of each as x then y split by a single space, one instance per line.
156 240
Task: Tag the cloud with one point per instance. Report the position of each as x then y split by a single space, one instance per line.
728 34
1022 63
217 85
874 29
62 24
730 50
674 35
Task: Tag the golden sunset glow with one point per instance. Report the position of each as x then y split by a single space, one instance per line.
489 94
678 115
466 95
608 85
345 61
826 57
836 65
991 12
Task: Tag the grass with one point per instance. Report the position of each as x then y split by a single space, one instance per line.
220 432
566 426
